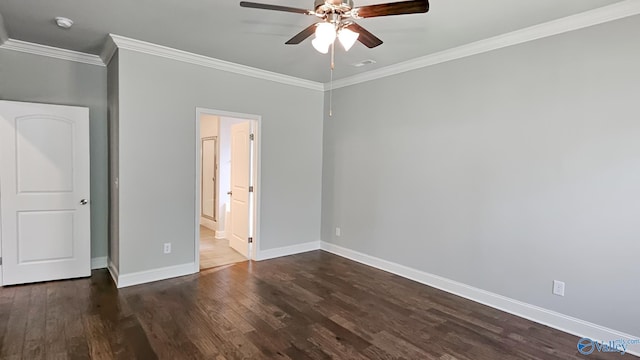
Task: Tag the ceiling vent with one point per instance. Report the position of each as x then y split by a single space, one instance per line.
364 62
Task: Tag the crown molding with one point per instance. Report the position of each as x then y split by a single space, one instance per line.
601 15
191 58
49 51
108 50
597 16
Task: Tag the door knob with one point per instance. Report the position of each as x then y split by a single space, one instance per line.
229 192
84 202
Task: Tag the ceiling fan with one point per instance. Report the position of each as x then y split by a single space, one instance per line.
337 20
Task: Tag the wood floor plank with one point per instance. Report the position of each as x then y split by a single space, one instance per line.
34 337
55 344
399 347
308 306
6 304
333 345
13 340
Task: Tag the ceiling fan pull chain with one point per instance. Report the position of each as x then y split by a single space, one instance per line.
331 95
331 80
333 52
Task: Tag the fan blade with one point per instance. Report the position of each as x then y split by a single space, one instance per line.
302 35
396 8
253 5
368 39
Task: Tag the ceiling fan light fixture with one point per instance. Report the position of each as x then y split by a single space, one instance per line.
347 38
326 32
321 46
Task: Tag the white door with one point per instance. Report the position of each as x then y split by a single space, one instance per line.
44 192
240 181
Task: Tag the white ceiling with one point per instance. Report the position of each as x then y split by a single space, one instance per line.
224 30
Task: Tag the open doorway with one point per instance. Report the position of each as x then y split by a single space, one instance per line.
227 187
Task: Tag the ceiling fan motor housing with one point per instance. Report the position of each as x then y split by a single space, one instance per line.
332 6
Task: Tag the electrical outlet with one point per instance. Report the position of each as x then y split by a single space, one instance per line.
167 248
558 288
338 231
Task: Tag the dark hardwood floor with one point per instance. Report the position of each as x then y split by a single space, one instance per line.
308 306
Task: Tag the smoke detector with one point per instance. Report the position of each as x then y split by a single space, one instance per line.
64 22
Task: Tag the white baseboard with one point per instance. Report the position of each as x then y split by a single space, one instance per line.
221 234
209 224
113 270
142 277
534 313
98 262
287 250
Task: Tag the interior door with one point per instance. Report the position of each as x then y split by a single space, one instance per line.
44 192
240 181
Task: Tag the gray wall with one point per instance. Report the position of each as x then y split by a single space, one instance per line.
158 98
3 31
504 171
34 78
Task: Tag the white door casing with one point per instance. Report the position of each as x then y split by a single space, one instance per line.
44 181
240 181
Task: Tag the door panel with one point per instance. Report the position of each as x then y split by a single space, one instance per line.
240 181
36 155
44 175
36 225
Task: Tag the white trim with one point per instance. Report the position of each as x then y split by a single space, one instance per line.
113 271
597 16
53 52
208 223
198 185
256 176
108 50
98 262
221 234
534 313
191 58
147 276
287 250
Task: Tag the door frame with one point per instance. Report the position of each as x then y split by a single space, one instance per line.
254 226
